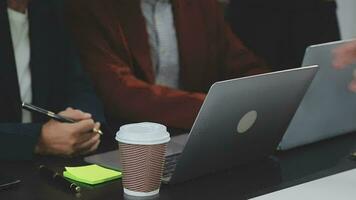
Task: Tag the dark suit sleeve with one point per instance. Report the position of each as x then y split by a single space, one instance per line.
80 92
18 141
78 88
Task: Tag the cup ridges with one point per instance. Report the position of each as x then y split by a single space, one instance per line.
142 166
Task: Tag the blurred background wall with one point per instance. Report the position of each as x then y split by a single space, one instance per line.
347 18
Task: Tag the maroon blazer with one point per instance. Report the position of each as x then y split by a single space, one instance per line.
113 43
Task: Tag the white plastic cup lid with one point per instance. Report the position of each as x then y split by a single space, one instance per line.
145 133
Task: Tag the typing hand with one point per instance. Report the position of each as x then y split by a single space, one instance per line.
68 139
345 55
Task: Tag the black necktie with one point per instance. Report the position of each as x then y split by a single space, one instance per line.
10 100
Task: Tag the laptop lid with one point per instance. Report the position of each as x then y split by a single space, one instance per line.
328 108
242 120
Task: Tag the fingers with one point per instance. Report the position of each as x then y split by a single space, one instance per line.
84 126
75 114
68 139
87 138
338 61
88 146
97 127
91 149
94 147
84 121
352 86
344 55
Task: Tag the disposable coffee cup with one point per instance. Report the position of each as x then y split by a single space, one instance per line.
142 149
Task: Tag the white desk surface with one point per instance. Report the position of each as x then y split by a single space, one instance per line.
340 186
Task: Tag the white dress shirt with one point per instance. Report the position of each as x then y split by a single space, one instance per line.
162 39
19 27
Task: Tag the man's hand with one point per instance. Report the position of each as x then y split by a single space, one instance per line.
67 139
345 55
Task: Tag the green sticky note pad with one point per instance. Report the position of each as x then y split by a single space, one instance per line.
91 174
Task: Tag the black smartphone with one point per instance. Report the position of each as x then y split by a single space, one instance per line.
7 182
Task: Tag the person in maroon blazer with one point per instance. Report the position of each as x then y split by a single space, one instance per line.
128 46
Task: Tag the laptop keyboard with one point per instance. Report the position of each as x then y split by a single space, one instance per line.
170 165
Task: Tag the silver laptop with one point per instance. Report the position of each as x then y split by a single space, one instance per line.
241 120
328 108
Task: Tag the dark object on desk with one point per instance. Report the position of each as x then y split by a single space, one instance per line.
52 115
58 179
8 182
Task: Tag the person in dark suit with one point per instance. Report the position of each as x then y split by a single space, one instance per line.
155 60
38 65
280 30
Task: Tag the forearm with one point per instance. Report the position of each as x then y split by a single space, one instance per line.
139 101
127 97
